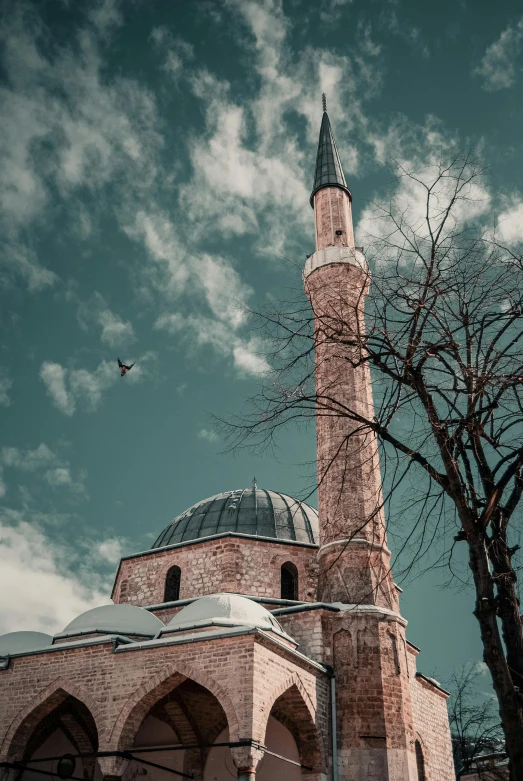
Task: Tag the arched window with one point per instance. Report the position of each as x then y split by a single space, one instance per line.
420 762
289 581
172 584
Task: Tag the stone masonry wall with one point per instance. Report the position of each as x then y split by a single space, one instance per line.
306 629
231 564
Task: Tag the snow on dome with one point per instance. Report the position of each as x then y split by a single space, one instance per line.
114 620
19 642
224 610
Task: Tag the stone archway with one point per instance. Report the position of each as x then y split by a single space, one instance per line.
291 708
167 714
139 705
55 723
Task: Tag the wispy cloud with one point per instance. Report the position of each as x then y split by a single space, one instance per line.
115 331
73 388
28 460
6 384
110 550
90 127
208 435
67 387
498 65
174 51
56 470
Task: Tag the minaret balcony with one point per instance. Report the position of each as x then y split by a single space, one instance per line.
332 255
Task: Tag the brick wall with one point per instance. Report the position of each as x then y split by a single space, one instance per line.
349 492
231 564
332 212
121 688
431 723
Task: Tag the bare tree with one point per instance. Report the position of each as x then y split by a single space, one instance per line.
474 722
444 342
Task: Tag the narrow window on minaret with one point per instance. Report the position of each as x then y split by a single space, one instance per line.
289 581
172 585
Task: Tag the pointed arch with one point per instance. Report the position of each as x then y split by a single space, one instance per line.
292 705
149 693
28 718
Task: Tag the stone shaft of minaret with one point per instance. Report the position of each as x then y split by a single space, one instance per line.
353 557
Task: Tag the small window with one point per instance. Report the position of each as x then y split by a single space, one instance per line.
289 581
172 585
420 762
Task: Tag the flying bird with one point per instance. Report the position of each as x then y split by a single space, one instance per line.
123 368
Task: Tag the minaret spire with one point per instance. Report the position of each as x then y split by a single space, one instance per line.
330 197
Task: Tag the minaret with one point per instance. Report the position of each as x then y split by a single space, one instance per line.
354 559
365 641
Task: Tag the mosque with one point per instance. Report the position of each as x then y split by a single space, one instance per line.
258 639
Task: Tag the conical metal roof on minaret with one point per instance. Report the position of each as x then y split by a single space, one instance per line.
329 172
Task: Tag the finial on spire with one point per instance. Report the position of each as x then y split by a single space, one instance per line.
324 101
254 486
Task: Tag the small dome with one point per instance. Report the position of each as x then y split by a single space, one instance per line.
251 511
18 642
224 610
114 620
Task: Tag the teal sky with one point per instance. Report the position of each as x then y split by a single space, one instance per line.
156 160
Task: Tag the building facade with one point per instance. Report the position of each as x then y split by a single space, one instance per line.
257 638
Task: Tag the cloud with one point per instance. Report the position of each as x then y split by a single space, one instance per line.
67 387
110 550
60 477
106 15
510 223
6 384
115 331
419 150
3 487
70 388
175 51
65 126
207 435
57 469
28 460
53 375
246 354
498 66
38 589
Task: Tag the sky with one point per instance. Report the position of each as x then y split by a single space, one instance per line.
156 161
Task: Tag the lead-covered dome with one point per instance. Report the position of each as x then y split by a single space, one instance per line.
114 620
22 642
252 511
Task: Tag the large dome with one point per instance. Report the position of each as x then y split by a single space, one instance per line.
252 511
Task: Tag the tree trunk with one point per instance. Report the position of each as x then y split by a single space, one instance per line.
510 702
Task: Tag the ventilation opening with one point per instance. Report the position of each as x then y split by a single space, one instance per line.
172 585
289 581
